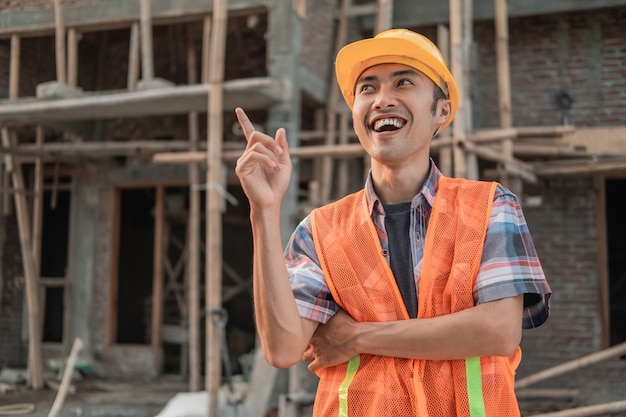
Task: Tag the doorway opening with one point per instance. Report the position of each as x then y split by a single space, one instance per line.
616 248
135 258
53 266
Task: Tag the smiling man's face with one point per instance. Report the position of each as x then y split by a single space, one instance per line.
392 113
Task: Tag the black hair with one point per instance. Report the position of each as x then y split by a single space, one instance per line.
438 94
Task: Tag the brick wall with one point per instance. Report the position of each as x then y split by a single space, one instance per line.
5 53
13 352
318 35
564 232
28 4
582 53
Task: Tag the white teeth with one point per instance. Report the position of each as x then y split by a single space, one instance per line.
388 122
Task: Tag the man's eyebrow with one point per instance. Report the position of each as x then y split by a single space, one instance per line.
395 74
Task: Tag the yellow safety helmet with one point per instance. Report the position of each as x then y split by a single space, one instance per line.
395 46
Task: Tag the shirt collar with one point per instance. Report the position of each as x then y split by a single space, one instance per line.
428 191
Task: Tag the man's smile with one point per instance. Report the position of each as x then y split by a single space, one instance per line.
388 124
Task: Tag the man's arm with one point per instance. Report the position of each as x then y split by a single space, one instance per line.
264 170
489 329
284 334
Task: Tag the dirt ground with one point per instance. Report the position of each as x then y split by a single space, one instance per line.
101 398
97 397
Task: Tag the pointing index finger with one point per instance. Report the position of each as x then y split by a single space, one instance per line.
244 121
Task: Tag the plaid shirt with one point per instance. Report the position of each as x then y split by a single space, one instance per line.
509 265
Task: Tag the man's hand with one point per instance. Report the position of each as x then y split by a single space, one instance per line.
264 168
332 342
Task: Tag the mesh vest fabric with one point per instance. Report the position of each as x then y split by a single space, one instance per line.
362 283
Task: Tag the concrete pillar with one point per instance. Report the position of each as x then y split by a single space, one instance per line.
81 262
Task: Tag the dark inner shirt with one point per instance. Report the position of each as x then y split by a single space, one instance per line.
398 225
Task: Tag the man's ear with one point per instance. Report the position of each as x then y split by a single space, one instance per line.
444 111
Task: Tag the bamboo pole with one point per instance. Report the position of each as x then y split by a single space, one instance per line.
14 71
214 202
193 234
157 276
467 20
343 173
73 37
336 151
591 410
445 154
456 63
578 363
384 16
133 58
30 271
67 377
147 63
38 205
59 28
504 82
326 176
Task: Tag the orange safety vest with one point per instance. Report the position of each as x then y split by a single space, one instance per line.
362 283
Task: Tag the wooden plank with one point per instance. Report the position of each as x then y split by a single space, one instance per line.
514 166
534 151
491 135
580 167
30 270
214 204
532 131
598 140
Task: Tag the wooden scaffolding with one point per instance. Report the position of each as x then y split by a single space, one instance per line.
519 154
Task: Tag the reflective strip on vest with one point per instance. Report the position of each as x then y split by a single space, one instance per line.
474 387
353 366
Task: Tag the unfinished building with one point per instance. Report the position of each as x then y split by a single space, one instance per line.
123 224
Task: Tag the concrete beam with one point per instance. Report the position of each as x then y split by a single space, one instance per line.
408 13
256 93
112 13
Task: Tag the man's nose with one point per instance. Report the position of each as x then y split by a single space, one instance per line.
384 98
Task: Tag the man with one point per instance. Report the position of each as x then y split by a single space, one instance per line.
408 297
